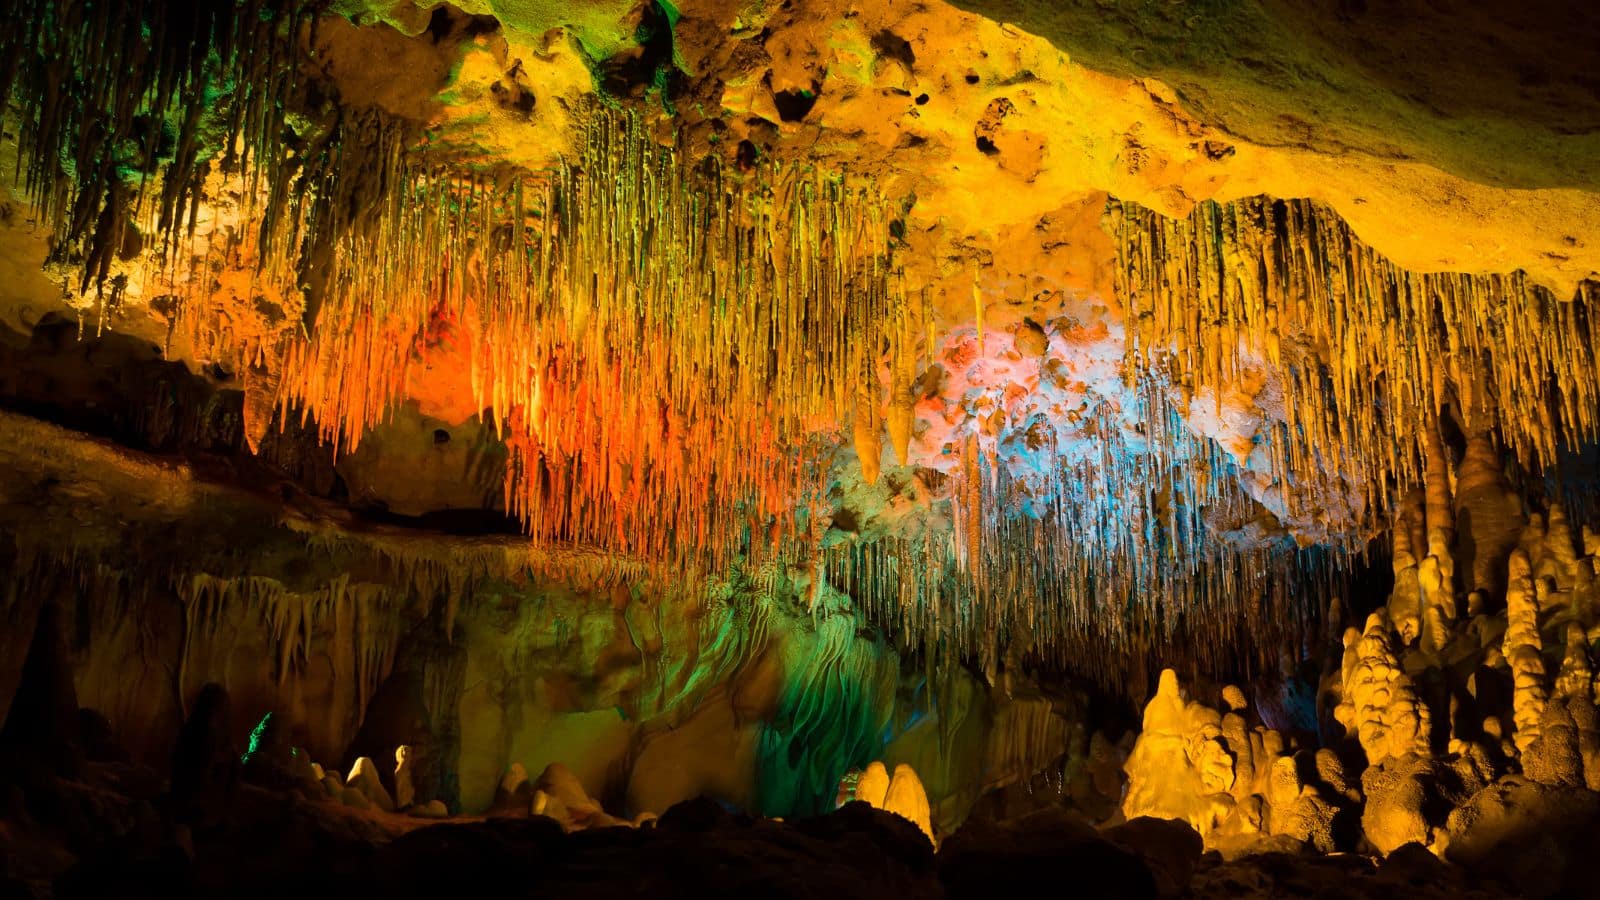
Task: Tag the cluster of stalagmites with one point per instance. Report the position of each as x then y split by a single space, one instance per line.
901 794
1460 717
207 768
204 772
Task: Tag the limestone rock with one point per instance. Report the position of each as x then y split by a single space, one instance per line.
514 795
205 765
98 739
1397 792
873 784
1490 511
404 792
907 798
515 777
1576 676
566 800
1553 758
1178 768
270 759
1527 834
433 809
1170 849
41 728
984 859
1586 719
364 777
1379 704
1522 647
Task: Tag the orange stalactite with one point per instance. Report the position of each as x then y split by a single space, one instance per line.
655 342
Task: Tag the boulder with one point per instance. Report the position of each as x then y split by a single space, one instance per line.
514 796
1017 858
1397 792
1528 835
270 760
1170 849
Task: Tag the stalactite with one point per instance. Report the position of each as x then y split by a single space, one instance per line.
651 338
657 338
116 95
1385 349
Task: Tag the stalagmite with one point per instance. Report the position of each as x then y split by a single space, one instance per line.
1490 511
1522 647
1576 677
205 764
1178 768
364 778
404 790
867 447
873 784
40 734
905 797
1379 704
1406 603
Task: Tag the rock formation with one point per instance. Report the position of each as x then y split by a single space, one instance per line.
726 411
363 778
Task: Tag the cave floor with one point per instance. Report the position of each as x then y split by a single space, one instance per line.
112 834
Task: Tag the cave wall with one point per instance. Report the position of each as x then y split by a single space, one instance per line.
649 698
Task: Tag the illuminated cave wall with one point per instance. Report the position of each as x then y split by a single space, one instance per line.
477 653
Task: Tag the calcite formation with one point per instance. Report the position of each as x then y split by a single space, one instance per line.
1235 783
626 413
1458 787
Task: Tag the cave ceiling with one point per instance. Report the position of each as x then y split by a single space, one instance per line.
1060 326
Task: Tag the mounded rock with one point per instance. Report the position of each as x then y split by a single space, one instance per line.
40 733
1535 837
1170 849
873 784
404 791
514 795
271 761
1397 792
364 777
1051 847
907 798
98 738
568 802
205 763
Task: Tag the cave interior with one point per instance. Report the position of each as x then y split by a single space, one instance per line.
800 447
